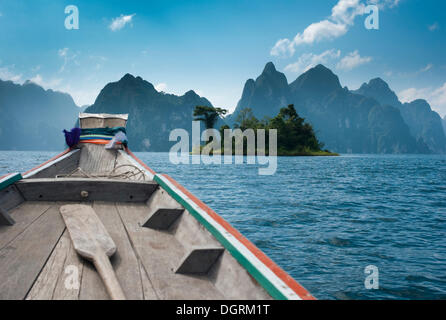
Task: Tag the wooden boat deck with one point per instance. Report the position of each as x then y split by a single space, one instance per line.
37 258
38 261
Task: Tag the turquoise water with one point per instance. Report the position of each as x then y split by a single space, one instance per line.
323 220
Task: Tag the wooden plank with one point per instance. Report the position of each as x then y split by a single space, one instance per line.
65 164
22 259
10 198
24 216
45 284
124 260
97 159
69 282
160 253
70 189
147 286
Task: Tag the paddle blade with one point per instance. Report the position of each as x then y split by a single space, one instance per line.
87 232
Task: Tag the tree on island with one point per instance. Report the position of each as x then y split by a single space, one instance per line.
293 133
208 115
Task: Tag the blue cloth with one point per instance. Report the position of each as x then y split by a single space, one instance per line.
72 137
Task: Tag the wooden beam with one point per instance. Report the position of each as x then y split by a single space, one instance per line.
84 189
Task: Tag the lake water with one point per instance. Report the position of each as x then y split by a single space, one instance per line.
324 220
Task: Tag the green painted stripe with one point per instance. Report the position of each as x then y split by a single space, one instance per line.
258 275
10 180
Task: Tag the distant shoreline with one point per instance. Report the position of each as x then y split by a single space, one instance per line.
281 153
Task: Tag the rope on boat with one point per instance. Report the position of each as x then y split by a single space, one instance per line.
126 175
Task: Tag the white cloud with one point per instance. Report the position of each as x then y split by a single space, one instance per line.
51 84
310 60
435 96
342 17
67 56
283 47
7 74
426 68
161 87
120 22
352 60
434 26
382 4
323 30
63 52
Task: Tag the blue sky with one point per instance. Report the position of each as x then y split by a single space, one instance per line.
213 47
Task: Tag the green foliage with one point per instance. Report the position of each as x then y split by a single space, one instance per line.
293 133
295 137
208 115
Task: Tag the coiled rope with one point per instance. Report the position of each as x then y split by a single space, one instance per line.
125 175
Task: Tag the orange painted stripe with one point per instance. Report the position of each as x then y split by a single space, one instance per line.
139 161
46 162
97 141
279 272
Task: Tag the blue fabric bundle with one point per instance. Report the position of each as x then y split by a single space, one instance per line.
72 137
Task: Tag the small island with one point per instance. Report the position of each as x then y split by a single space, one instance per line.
295 137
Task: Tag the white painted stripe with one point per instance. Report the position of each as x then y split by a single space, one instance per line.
49 164
136 164
259 265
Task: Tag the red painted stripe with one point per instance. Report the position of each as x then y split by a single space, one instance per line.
46 162
285 277
139 161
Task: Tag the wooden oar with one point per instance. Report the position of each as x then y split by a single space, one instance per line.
92 241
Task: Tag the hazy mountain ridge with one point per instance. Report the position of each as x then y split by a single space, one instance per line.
424 123
350 121
368 120
33 118
152 114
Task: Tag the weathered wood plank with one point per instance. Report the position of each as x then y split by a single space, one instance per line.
69 282
63 165
96 159
92 287
148 290
23 258
45 284
124 261
160 253
23 215
71 189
